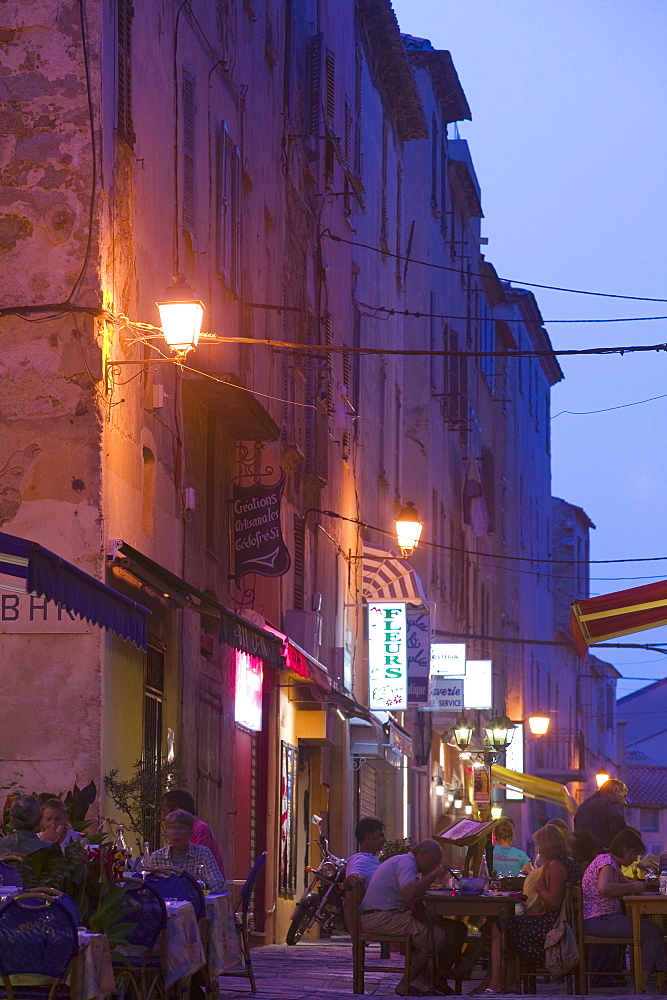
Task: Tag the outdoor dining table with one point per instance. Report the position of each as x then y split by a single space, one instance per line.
649 904
445 903
95 979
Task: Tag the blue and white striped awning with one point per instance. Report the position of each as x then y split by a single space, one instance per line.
388 577
50 576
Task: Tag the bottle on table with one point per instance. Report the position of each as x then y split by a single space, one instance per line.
201 881
663 881
145 862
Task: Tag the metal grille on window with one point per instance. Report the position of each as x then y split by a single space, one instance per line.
152 739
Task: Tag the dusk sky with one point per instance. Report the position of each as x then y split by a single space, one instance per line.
569 142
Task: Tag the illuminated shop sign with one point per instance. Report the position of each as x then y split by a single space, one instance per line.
387 657
248 701
478 687
448 659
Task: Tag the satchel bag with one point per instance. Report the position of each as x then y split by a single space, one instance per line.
561 952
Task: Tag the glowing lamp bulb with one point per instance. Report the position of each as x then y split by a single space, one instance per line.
496 812
601 777
181 315
539 724
408 529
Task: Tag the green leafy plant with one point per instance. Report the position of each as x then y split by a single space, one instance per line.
109 917
139 797
394 847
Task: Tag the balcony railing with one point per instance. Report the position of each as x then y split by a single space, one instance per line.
559 755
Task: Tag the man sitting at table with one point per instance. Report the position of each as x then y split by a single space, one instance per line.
386 909
180 798
181 853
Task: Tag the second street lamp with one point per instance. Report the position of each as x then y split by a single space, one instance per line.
181 315
408 530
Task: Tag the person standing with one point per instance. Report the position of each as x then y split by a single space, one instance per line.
602 813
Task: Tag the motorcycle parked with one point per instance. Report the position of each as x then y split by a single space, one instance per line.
322 901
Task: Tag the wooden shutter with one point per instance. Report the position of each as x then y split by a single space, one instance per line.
330 78
314 61
327 389
151 755
235 262
125 14
188 152
434 162
399 218
209 750
299 562
384 222
453 389
223 200
347 135
347 378
489 486
357 114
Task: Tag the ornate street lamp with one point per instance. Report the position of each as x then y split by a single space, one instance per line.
498 730
408 530
463 731
181 315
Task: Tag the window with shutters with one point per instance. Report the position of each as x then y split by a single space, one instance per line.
347 154
489 486
124 16
358 78
151 754
314 91
327 389
299 562
188 133
330 116
399 220
487 344
434 163
443 186
384 217
347 380
452 376
229 210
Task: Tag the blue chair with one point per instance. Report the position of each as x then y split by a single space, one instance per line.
142 975
173 883
10 874
66 901
38 938
241 911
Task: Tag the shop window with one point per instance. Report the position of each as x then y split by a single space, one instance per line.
288 832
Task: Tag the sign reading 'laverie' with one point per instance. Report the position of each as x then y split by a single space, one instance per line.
387 657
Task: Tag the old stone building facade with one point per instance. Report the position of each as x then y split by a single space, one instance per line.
297 162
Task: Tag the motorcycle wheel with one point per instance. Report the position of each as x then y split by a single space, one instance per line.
302 920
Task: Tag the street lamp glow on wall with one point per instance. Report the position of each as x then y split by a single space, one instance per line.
408 529
181 315
539 723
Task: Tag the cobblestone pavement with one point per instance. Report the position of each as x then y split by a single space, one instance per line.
324 970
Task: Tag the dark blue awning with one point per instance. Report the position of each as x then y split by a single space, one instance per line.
49 576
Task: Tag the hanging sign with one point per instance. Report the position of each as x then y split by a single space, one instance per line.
446 694
248 698
479 684
257 535
387 657
448 659
419 634
481 785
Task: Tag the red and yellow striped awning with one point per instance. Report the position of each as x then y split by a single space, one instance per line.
621 613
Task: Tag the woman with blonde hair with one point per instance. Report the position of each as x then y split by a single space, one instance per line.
544 890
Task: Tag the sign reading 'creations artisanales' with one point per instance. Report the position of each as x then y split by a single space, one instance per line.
258 538
387 657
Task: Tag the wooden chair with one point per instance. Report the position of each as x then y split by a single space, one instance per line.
359 939
585 940
525 973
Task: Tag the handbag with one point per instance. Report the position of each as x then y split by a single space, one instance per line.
561 952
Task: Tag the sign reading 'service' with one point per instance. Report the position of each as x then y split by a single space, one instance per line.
387 657
258 538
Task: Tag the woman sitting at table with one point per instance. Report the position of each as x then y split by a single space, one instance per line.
604 884
545 891
508 860
180 853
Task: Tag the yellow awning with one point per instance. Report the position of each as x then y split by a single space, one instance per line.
534 788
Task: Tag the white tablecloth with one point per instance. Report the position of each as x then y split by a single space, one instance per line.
223 945
95 975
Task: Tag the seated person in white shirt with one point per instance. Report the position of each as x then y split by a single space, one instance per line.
361 866
386 909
